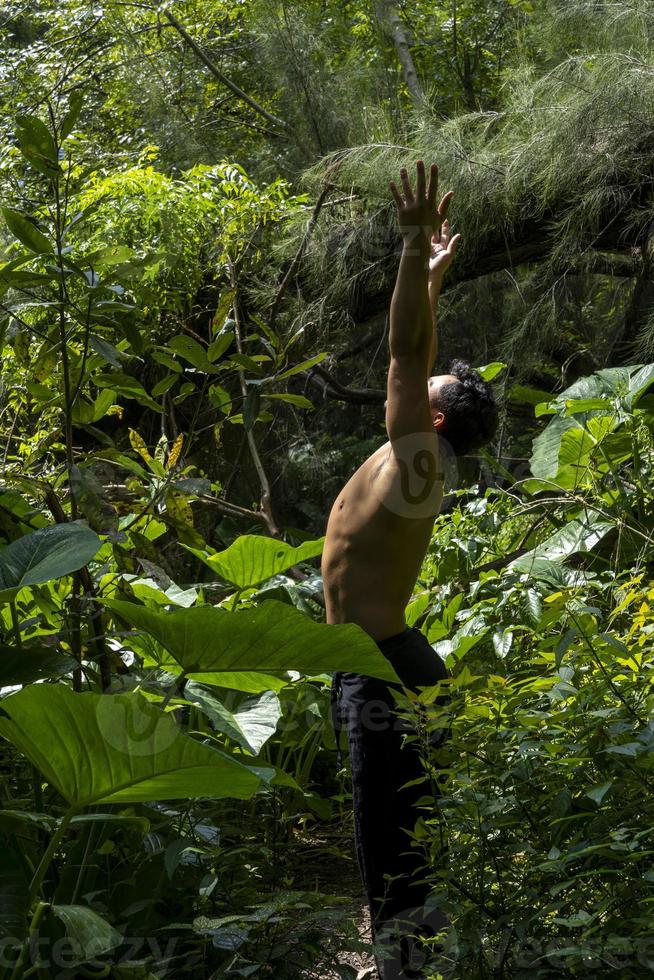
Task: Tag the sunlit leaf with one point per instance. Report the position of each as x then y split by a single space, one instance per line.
96 748
253 558
490 371
304 366
26 231
270 637
45 554
250 725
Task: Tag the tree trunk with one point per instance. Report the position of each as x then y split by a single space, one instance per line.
467 80
391 22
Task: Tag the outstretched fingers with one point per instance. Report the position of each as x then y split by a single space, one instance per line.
441 238
444 205
406 185
432 188
420 180
396 194
453 245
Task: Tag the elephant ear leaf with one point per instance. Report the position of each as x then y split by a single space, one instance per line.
121 749
254 558
250 725
46 554
584 414
580 535
273 636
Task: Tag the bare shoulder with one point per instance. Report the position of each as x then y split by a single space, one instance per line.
369 470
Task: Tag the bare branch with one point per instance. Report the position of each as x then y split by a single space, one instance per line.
332 388
216 72
297 258
266 499
391 22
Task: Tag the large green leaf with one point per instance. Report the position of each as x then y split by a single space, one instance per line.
246 681
127 386
269 637
253 558
26 231
21 279
37 145
573 460
554 574
544 462
34 137
606 393
96 748
45 554
22 665
627 384
250 725
579 535
192 352
88 934
154 654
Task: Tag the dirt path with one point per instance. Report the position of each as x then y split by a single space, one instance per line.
328 851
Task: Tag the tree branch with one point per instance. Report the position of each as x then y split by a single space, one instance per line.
233 510
332 388
297 258
266 499
216 72
389 18
118 491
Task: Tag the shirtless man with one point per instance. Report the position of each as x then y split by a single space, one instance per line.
377 535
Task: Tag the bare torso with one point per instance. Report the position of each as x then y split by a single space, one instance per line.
376 541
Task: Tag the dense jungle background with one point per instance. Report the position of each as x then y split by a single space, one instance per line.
198 252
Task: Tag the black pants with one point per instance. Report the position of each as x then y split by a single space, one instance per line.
384 808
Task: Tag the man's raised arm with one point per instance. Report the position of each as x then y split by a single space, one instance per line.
411 322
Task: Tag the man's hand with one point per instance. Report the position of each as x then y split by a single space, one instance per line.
443 246
417 215
443 250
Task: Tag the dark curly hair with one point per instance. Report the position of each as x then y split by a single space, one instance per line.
469 408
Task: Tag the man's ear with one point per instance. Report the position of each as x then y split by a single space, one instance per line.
438 419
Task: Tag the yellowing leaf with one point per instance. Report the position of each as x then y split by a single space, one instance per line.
179 508
175 451
139 446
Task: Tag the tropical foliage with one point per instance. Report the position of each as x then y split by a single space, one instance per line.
196 256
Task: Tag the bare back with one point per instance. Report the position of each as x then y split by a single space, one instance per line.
377 535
